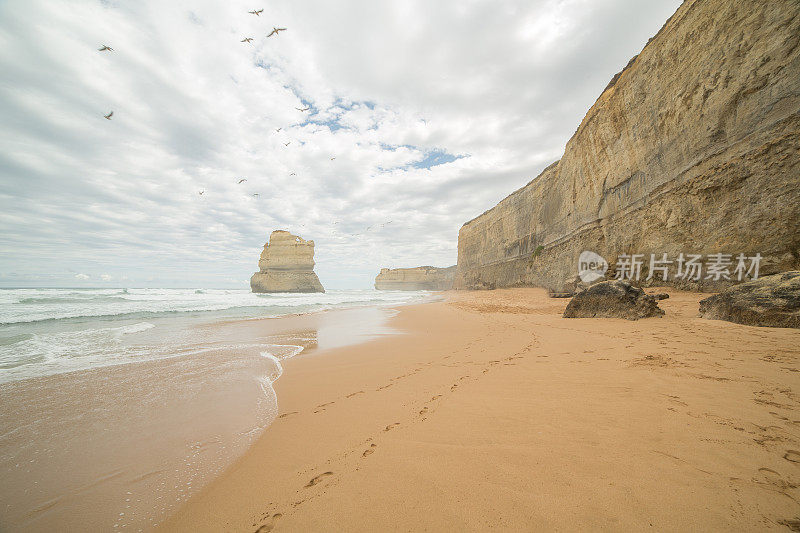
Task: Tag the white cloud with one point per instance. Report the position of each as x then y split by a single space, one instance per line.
503 85
81 276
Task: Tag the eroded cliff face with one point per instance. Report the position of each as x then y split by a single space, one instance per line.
286 265
694 147
424 278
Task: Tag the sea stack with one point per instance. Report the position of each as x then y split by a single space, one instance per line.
424 278
286 265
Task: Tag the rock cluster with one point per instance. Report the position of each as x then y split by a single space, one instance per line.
693 148
286 265
424 278
613 299
769 301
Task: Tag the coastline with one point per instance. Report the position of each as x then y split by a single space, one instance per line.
122 445
492 411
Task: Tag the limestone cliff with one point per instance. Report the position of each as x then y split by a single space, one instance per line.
424 278
694 147
286 265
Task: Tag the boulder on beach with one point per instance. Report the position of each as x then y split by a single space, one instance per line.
772 301
613 299
568 288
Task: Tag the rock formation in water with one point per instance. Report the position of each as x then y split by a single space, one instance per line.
693 148
424 278
772 301
613 299
286 265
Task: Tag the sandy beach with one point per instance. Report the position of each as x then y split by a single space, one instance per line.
399 266
122 446
492 411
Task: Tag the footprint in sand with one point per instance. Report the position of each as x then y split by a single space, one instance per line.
321 407
284 415
792 455
354 394
369 451
423 411
318 479
391 426
793 524
775 479
270 525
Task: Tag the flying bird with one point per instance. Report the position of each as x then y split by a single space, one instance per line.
105 48
275 31
242 180
256 12
293 174
304 109
255 195
201 193
332 158
279 129
108 117
246 39
287 144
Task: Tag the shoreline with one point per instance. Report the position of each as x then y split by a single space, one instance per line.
121 445
493 411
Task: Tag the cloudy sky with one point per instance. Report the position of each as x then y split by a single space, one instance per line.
422 115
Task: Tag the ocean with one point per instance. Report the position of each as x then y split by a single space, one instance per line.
50 331
116 405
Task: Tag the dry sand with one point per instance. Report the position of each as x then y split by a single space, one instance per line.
493 412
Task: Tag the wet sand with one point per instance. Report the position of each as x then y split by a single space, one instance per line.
493 412
121 447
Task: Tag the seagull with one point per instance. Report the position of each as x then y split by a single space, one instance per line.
255 195
256 12
201 193
279 129
275 31
287 144
246 39
108 117
332 158
293 174
304 109
105 48
242 180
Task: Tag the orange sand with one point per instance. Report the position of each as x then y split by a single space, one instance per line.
493 412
